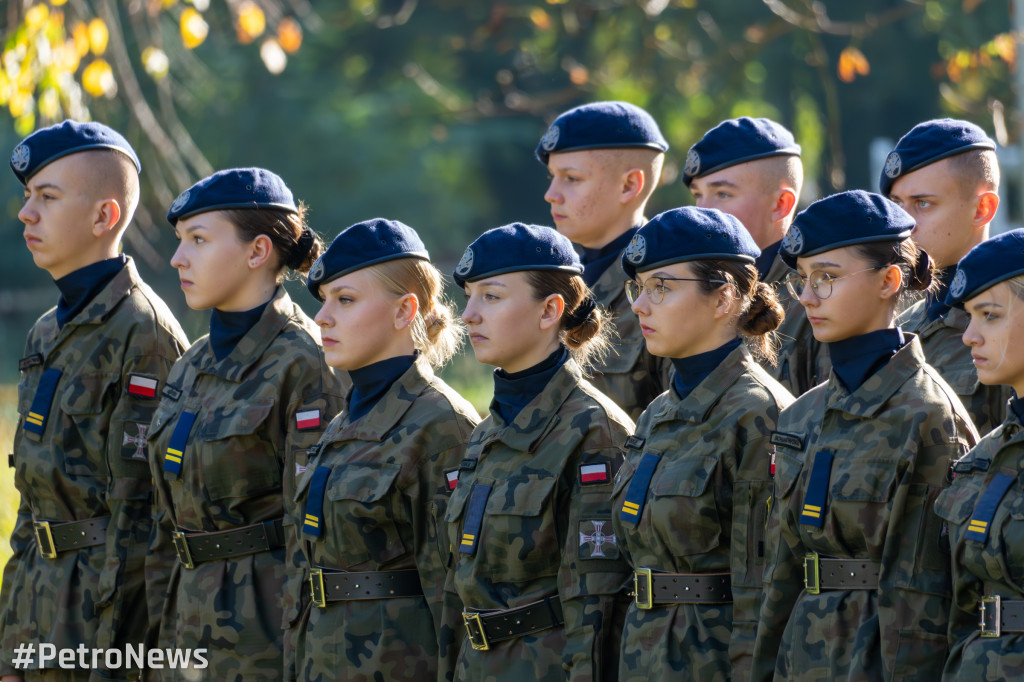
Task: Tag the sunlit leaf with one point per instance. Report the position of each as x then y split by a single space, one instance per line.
36 16
852 63
80 34
1006 47
579 75
193 28
25 124
57 3
540 18
273 56
289 35
98 36
251 20
155 61
49 104
98 79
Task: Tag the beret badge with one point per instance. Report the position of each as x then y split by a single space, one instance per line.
692 166
959 283
20 157
316 273
893 165
180 202
550 139
793 242
466 263
637 249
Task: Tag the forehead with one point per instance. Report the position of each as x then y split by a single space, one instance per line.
671 270
587 160
744 176
215 221
510 281
842 257
935 178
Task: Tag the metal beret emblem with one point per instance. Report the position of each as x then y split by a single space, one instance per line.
692 166
959 283
20 157
637 249
793 242
550 139
893 165
466 264
180 202
316 273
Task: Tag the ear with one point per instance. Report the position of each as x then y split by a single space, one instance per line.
260 251
892 282
551 315
726 299
985 209
406 311
108 214
633 183
784 204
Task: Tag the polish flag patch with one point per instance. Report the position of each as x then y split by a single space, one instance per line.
299 469
310 419
144 387
453 478
591 474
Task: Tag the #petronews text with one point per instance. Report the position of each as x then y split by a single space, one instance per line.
133 657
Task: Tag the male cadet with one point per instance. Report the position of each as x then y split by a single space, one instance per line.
605 160
945 174
90 381
750 168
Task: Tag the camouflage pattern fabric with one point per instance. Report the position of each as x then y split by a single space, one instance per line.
893 439
994 566
942 340
629 375
240 460
704 512
89 461
383 510
544 533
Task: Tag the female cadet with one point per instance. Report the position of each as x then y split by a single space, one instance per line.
858 586
536 563
690 499
376 489
240 411
984 506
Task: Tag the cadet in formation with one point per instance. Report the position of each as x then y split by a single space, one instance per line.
690 499
89 379
605 161
237 418
751 168
858 584
536 564
945 174
377 487
984 506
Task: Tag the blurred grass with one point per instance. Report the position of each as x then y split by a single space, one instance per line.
8 495
471 379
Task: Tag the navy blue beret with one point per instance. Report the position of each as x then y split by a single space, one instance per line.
49 144
987 264
232 189
685 234
362 245
516 247
601 125
929 142
735 141
844 219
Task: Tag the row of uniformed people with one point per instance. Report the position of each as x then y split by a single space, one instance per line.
232 503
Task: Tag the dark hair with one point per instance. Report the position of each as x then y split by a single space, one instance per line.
584 325
297 246
915 263
760 311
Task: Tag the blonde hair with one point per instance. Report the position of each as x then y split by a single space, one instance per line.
437 332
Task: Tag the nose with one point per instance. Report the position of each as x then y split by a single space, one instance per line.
808 297
552 196
971 337
178 259
322 318
641 305
27 214
469 315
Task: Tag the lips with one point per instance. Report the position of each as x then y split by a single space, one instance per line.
328 341
186 283
475 338
645 330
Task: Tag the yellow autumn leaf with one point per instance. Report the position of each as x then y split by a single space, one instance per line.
852 63
80 34
98 79
49 104
193 28
273 56
98 36
251 20
36 16
540 18
57 3
289 35
1006 47
156 63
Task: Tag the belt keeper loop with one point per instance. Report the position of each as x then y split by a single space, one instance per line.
551 611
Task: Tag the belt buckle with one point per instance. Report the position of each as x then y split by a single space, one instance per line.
812 577
316 587
475 628
51 550
994 611
642 586
181 547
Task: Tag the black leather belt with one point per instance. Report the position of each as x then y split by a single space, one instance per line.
839 574
488 628
998 615
195 548
652 589
52 538
329 586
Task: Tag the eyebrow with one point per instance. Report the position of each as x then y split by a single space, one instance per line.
42 186
335 287
824 264
192 228
661 274
986 304
723 183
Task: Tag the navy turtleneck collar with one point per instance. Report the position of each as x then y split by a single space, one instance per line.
513 392
765 260
370 383
857 358
77 289
935 306
596 261
692 370
228 328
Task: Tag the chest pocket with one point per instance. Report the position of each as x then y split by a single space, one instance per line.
858 479
359 513
683 509
521 533
235 460
86 406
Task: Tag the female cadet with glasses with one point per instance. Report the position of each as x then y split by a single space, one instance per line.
689 502
378 485
857 585
239 413
984 506
536 564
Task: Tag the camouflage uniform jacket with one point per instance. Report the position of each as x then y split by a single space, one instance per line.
544 533
703 512
803 361
89 461
942 340
894 440
383 510
258 413
629 375
987 563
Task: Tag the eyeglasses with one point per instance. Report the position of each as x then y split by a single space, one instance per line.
820 282
655 287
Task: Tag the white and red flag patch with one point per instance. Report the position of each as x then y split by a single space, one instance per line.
310 419
142 386
594 473
453 478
